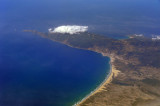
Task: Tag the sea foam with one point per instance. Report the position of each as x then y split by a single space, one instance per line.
70 29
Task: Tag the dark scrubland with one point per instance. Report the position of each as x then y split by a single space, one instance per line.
137 59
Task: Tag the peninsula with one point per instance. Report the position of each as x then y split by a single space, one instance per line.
135 62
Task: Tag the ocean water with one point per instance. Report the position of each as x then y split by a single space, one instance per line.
38 72
107 17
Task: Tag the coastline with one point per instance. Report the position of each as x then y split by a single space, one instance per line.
126 91
112 73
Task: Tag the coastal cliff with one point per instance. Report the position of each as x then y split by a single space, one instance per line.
135 74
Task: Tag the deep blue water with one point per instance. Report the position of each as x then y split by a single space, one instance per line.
108 17
38 72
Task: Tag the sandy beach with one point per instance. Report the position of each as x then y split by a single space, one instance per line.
113 71
108 79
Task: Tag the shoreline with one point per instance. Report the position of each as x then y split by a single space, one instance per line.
112 73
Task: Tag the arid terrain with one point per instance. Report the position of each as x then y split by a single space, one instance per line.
136 58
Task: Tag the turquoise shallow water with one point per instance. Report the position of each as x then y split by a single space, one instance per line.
38 72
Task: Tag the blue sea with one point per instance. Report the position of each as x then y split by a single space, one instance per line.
35 71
